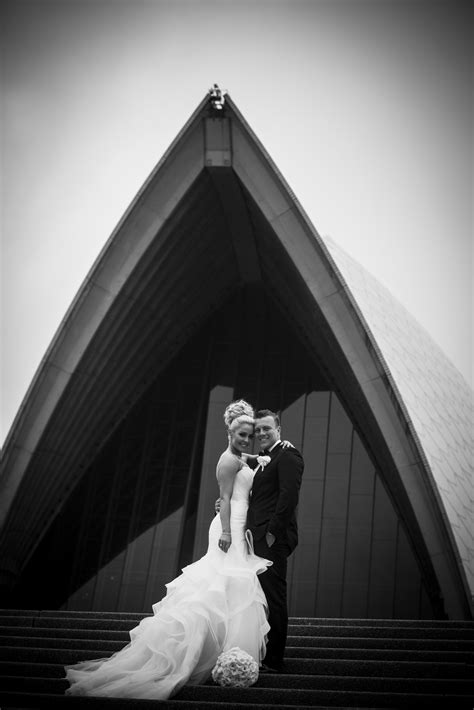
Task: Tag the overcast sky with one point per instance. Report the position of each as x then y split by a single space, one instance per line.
365 107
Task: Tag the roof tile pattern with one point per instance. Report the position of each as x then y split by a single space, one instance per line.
437 399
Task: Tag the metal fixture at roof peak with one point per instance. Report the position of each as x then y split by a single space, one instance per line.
216 97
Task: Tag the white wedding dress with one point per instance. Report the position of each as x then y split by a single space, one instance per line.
215 604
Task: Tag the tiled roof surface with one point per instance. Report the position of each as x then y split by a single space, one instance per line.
437 398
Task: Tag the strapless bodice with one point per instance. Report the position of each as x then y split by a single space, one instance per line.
242 485
239 504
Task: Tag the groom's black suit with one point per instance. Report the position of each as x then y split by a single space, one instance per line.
272 508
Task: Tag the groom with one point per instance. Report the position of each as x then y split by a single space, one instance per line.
271 518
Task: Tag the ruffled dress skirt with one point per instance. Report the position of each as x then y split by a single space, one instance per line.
215 604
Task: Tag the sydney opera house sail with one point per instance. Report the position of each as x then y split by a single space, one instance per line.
215 286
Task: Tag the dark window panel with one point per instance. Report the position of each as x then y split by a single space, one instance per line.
360 511
407 579
317 405
331 566
354 601
82 598
292 422
109 580
163 558
306 555
382 578
337 486
362 469
329 601
385 517
426 607
301 598
380 602
315 448
340 429
356 568
137 564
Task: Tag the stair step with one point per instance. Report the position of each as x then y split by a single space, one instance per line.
383 654
316 641
299 620
335 630
62 656
385 642
32 631
353 697
31 700
386 623
66 656
31 670
107 647
298 689
340 667
404 632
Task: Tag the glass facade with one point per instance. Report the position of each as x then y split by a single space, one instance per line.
141 512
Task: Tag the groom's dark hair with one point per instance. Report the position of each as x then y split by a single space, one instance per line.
267 413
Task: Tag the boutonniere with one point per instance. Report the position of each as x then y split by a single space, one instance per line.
263 460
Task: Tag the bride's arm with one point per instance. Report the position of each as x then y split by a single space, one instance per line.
226 470
253 457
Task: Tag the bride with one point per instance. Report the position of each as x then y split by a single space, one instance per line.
215 604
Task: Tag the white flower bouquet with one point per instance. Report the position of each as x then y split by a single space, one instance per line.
235 668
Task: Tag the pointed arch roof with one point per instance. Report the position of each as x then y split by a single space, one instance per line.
213 215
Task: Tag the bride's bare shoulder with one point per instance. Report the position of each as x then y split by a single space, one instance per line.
229 462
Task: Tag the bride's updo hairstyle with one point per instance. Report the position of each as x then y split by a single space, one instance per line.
238 412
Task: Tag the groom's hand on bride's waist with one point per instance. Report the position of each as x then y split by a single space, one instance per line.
217 505
270 538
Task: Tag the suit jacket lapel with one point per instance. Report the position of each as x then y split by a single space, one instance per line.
273 455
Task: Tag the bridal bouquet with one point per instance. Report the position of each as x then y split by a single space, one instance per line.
235 668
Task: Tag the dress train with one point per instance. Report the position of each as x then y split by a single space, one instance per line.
215 604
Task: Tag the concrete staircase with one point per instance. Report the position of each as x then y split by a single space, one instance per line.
330 663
